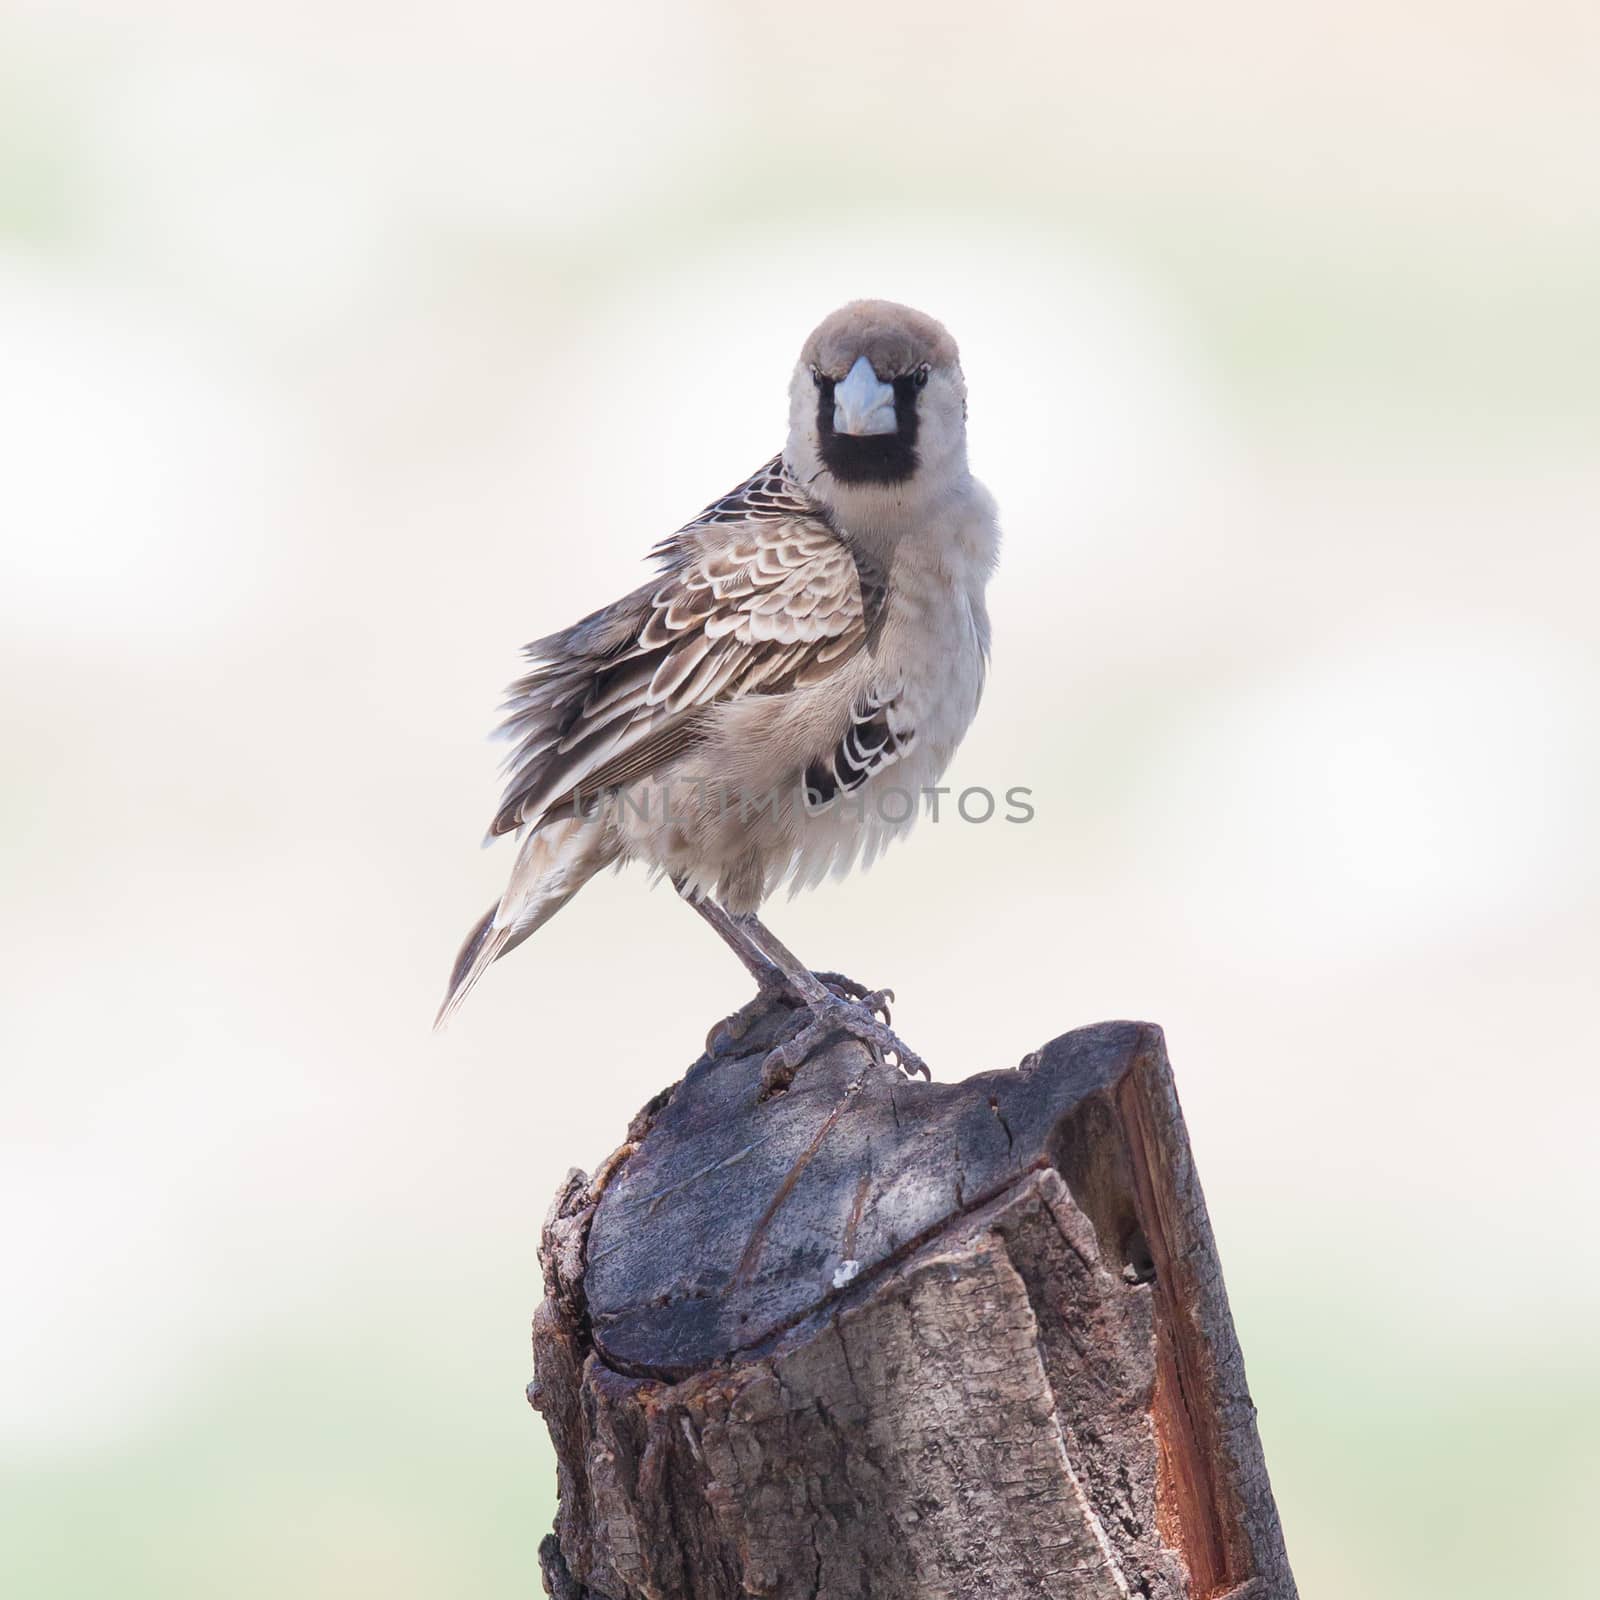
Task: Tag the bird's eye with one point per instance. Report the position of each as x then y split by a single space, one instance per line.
816 376
920 376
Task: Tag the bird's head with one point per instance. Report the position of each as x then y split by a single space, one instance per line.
878 408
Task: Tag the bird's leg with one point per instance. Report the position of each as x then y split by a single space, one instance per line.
811 987
755 960
772 983
834 1005
858 1013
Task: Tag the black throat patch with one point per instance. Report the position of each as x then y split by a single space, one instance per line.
875 458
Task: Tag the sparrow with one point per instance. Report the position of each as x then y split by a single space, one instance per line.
779 700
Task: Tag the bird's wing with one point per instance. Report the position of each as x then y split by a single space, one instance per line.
758 595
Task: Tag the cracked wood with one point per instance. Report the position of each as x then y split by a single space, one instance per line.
890 1339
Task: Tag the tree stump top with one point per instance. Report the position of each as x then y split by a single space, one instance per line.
737 1220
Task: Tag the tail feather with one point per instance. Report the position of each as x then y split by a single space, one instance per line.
554 863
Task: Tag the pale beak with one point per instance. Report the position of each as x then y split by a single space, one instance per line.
862 405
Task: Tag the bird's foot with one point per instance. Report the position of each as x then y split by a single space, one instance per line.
773 989
864 1019
848 989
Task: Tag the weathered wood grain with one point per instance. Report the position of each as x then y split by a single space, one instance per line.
893 1339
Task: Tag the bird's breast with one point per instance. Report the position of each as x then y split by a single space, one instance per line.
931 658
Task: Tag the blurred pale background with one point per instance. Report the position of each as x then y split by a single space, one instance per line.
343 347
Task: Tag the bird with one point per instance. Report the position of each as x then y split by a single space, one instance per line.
777 702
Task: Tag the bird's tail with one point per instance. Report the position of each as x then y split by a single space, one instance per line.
554 863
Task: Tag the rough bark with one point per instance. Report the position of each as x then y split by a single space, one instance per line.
878 1338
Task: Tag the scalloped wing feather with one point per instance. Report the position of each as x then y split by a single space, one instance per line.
758 595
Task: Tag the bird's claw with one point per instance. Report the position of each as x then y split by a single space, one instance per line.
855 1019
774 989
849 989
846 988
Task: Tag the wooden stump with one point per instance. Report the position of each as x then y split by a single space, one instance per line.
886 1339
